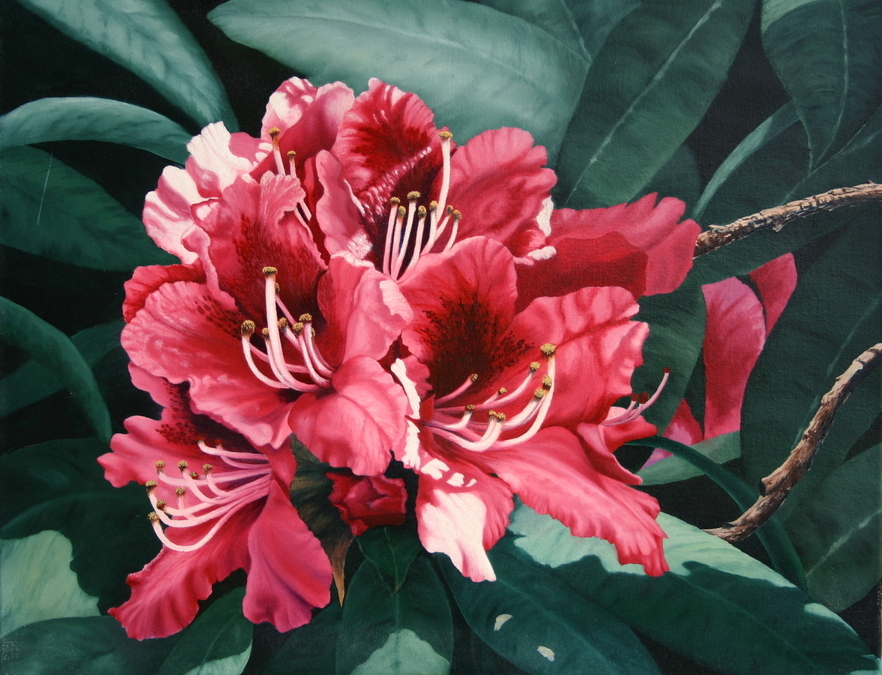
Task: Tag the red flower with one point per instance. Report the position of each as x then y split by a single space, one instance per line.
506 401
368 501
738 323
220 505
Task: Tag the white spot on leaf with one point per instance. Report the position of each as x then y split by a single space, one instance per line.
546 652
501 619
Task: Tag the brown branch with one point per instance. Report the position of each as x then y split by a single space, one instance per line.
777 485
776 218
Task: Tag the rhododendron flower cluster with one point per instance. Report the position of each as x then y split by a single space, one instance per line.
356 279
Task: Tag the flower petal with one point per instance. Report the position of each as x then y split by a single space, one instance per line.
775 281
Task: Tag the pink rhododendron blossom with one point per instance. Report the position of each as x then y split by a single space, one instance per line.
368 501
738 323
220 504
505 401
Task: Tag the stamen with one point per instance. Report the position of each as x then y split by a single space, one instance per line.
247 331
470 380
160 465
390 227
639 404
291 169
542 412
453 232
274 343
277 154
400 246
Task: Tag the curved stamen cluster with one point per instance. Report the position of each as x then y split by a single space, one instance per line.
412 231
639 403
466 426
299 334
217 498
301 210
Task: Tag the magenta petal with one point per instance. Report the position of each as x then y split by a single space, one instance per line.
775 281
166 593
289 572
145 280
733 340
498 182
337 215
359 423
553 475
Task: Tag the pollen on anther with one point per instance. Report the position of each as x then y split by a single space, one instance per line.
183 464
150 485
298 328
207 468
457 215
283 323
247 330
291 154
401 211
449 210
433 205
265 332
153 517
470 407
160 465
412 196
548 349
161 504
181 491
269 271
473 377
644 397
546 381
275 131
305 317
534 366
502 390
194 475
539 393
445 135
394 201
421 211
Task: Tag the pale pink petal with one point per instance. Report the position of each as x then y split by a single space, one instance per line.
145 280
775 281
289 572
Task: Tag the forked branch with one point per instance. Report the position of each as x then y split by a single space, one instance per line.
778 484
779 216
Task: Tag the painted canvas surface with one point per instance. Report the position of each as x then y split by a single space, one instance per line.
409 337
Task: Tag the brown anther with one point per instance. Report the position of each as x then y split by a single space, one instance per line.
500 416
473 377
274 132
298 328
194 475
401 211
247 328
666 370
183 464
150 485
161 504
433 205
278 288
291 154
153 517
445 135
634 398
470 407
265 332
181 491
534 366
160 465
394 201
502 390
548 349
413 196
269 271
305 318
457 215
421 211
644 397
207 468
546 382
539 393
448 210
283 323
491 414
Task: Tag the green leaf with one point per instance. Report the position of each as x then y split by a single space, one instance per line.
828 55
838 532
38 583
391 550
394 633
678 178
719 449
94 119
311 649
717 605
507 72
555 17
782 120
537 623
52 349
676 333
31 382
59 486
217 643
148 38
833 315
772 177
48 209
95 645
647 90
596 19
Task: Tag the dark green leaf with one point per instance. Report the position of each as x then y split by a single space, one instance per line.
148 38
676 333
59 486
38 583
536 622
678 178
53 350
833 315
719 449
828 55
838 532
48 209
782 120
311 649
717 605
404 633
392 550
507 72
95 645
775 175
553 16
646 91
218 642
94 119
32 382
596 19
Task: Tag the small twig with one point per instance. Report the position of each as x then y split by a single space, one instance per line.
778 484
776 218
